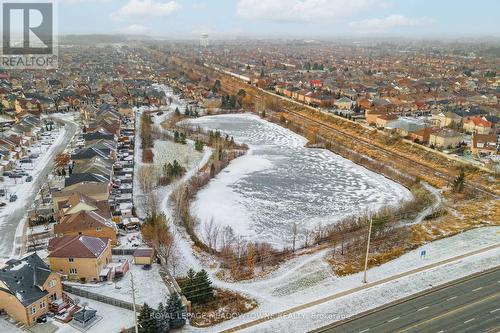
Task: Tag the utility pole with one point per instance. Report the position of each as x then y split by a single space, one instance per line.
367 249
133 302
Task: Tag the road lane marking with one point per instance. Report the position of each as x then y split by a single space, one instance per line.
364 330
393 319
493 311
449 313
425 307
449 299
468 321
479 288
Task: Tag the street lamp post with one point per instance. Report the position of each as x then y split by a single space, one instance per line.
367 249
133 302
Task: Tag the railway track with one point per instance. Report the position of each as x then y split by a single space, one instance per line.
402 160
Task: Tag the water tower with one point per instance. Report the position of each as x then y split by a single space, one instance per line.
204 40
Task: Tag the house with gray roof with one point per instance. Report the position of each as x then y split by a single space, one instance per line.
27 287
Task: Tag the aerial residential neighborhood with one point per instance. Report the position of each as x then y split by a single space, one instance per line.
272 167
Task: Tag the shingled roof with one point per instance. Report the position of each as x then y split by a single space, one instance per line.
24 278
77 247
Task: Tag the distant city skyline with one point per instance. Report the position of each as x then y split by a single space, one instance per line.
281 18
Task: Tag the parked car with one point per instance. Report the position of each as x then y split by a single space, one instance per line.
7 173
2 204
2 192
29 179
41 319
146 267
15 175
12 198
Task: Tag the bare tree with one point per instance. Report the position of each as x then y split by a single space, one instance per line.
212 232
294 230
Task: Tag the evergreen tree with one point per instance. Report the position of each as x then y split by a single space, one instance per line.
182 138
176 311
162 319
198 145
459 182
177 112
146 320
187 286
204 288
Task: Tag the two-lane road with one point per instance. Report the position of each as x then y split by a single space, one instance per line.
10 240
472 305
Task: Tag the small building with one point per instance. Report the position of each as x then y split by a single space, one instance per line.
143 256
446 138
85 317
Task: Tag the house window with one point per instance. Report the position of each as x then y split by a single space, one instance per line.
71 259
42 305
53 297
72 271
98 229
33 309
52 283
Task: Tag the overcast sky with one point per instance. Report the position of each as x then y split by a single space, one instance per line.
281 18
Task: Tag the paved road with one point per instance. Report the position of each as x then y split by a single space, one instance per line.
469 306
10 245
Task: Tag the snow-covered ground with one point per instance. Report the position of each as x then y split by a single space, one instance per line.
112 319
280 182
309 278
150 287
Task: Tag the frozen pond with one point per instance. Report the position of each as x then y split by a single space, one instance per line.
280 182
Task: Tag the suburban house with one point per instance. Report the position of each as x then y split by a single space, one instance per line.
484 144
422 135
477 125
87 223
343 103
97 191
443 119
384 119
446 138
27 287
79 257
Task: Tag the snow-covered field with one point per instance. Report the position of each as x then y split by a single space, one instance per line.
308 278
281 182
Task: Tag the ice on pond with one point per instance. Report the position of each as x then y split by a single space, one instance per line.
281 182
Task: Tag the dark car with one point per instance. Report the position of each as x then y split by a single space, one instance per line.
7 173
41 319
29 179
15 175
2 204
13 198
146 267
